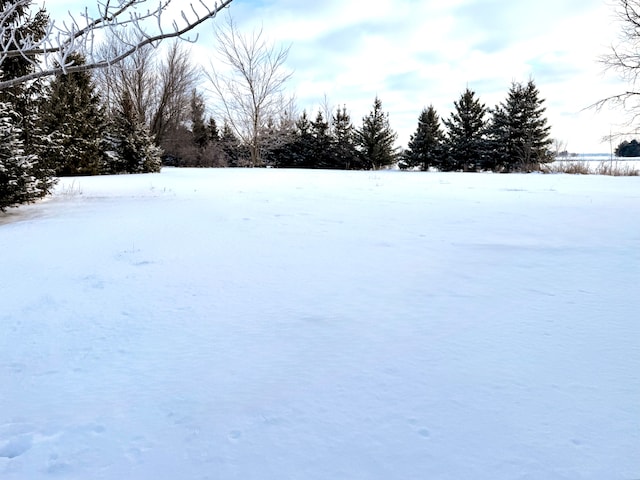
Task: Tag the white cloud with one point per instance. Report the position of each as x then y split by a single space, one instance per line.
413 53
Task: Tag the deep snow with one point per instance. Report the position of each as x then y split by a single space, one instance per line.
272 324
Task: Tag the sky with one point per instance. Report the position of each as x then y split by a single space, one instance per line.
416 53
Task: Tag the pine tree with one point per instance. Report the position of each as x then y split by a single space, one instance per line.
376 139
298 152
425 145
519 132
136 150
320 151
75 124
230 145
213 134
628 149
466 141
18 179
344 135
20 26
198 128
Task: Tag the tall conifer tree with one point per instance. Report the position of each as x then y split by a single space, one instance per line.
376 139
425 145
20 25
320 151
344 138
518 130
73 119
466 134
137 152
18 179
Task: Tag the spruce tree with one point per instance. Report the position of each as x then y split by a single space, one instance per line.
213 134
519 132
320 149
343 140
466 141
376 139
425 145
136 150
18 179
230 145
73 120
20 26
198 128
628 149
298 152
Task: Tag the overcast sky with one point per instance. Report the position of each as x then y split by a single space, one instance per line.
412 53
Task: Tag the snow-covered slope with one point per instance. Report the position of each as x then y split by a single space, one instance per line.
269 324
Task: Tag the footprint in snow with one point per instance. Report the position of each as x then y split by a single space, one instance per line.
16 446
234 436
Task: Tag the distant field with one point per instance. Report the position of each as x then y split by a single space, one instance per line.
597 161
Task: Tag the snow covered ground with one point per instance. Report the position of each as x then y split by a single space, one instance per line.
273 324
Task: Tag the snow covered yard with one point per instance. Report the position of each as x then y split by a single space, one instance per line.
273 324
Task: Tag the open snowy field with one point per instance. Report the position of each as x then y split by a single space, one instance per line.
314 325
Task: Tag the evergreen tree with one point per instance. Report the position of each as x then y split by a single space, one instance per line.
75 124
343 140
213 134
320 149
466 141
135 148
18 179
230 145
199 130
519 132
376 139
425 145
20 26
297 152
628 149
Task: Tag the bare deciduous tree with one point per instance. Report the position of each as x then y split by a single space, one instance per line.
137 74
152 22
250 92
159 90
177 78
625 59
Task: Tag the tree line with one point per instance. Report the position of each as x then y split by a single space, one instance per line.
147 111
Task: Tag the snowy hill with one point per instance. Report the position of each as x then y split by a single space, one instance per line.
272 324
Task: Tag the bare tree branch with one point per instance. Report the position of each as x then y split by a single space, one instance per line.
79 35
625 60
251 93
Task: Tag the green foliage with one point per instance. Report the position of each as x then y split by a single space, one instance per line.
19 181
320 149
466 128
376 140
230 145
198 128
426 144
73 120
628 149
213 134
318 143
346 154
19 27
23 176
135 150
519 134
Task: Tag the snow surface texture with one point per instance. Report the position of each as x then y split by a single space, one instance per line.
270 324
